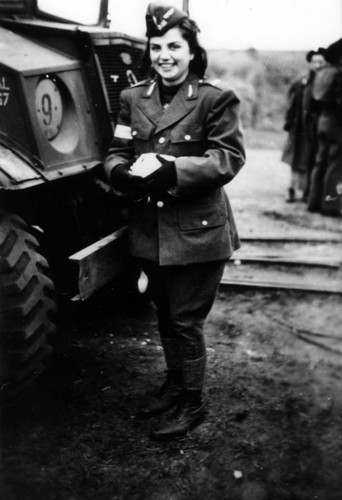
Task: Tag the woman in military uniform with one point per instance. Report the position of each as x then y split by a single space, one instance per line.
181 226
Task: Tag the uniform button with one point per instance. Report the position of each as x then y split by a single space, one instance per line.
187 137
204 222
160 204
134 132
161 140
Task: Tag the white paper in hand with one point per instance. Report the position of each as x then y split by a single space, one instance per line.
147 163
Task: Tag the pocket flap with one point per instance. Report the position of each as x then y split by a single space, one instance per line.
187 135
202 217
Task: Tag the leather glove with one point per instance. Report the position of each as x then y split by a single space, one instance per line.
163 178
123 180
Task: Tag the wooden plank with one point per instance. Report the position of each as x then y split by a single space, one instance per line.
85 252
289 276
314 287
100 263
294 237
322 252
286 260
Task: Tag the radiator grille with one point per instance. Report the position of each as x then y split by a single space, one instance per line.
120 67
12 6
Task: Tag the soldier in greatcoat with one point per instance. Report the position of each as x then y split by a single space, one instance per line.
301 125
180 222
327 171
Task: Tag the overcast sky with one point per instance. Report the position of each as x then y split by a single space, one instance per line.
268 24
263 24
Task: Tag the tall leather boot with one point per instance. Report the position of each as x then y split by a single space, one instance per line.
188 414
191 409
164 398
168 395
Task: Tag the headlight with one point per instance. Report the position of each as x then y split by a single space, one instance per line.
49 107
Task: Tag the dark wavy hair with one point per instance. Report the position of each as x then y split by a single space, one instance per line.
319 52
189 31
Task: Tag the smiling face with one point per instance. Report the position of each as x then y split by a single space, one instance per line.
170 56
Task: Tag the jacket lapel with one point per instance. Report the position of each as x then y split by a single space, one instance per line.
184 101
150 102
179 107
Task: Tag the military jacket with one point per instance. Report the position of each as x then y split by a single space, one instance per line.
201 129
301 124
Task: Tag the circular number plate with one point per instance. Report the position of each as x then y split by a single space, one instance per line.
49 108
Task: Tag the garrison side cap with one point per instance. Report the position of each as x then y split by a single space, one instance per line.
319 52
160 17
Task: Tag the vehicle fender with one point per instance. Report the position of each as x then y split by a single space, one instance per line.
17 171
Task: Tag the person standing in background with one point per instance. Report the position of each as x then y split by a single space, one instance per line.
301 125
327 171
180 223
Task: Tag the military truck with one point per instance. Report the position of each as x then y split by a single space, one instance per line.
61 71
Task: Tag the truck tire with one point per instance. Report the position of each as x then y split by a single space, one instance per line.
27 306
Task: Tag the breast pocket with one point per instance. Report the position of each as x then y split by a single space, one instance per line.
202 217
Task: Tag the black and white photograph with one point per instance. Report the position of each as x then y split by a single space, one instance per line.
170 250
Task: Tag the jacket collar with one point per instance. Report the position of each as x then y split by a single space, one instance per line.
183 102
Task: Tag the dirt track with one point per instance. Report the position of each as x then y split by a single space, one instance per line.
274 424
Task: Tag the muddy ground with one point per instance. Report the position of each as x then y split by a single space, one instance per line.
274 421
